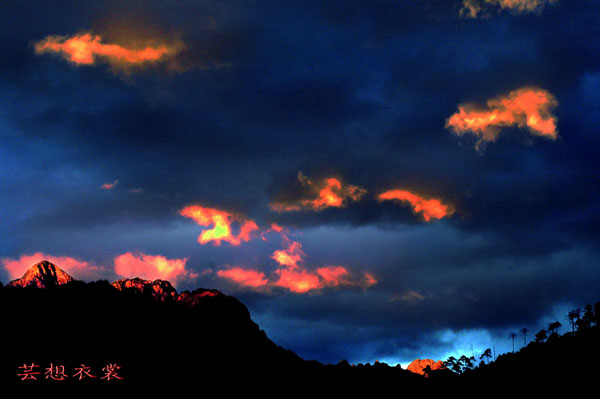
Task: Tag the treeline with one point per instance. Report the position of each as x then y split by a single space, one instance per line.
551 359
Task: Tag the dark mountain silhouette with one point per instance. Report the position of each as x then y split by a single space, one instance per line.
202 339
206 341
567 361
559 363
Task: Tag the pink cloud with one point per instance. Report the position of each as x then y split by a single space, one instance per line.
245 277
110 185
152 267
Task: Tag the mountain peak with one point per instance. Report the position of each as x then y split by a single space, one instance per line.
160 289
42 275
417 366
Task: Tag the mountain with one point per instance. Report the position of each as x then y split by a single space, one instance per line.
156 335
159 289
201 339
42 275
417 366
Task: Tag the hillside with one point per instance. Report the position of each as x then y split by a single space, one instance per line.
206 340
203 339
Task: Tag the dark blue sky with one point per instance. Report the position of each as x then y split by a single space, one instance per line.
258 91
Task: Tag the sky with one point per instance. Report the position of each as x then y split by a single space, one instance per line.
383 180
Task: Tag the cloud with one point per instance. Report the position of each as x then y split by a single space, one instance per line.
428 208
293 276
410 296
78 269
318 195
527 107
245 277
476 8
88 49
152 267
109 185
222 222
290 256
275 228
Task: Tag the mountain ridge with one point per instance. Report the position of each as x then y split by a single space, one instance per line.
43 274
155 335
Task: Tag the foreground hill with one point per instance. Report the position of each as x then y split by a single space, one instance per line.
202 339
145 335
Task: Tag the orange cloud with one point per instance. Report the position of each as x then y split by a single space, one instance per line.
78 269
109 186
152 267
429 208
290 256
525 108
88 49
475 8
222 222
300 280
274 228
332 275
319 195
292 275
297 280
245 277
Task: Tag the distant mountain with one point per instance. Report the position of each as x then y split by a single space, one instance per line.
417 366
42 275
160 289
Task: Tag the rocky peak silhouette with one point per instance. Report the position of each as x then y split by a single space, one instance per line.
417 366
42 275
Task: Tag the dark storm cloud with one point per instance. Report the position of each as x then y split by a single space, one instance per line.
356 90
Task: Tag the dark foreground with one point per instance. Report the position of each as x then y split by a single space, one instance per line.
93 336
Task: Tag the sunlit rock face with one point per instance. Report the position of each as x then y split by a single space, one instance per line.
160 289
194 297
42 275
418 365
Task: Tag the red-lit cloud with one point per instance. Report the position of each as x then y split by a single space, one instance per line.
88 49
152 267
291 256
477 8
319 195
301 280
245 277
110 185
297 280
527 107
221 222
275 228
78 269
290 273
428 208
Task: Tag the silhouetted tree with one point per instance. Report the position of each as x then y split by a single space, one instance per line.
581 325
553 327
466 363
426 370
541 336
457 367
487 354
587 320
513 336
524 331
573 317
451 364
